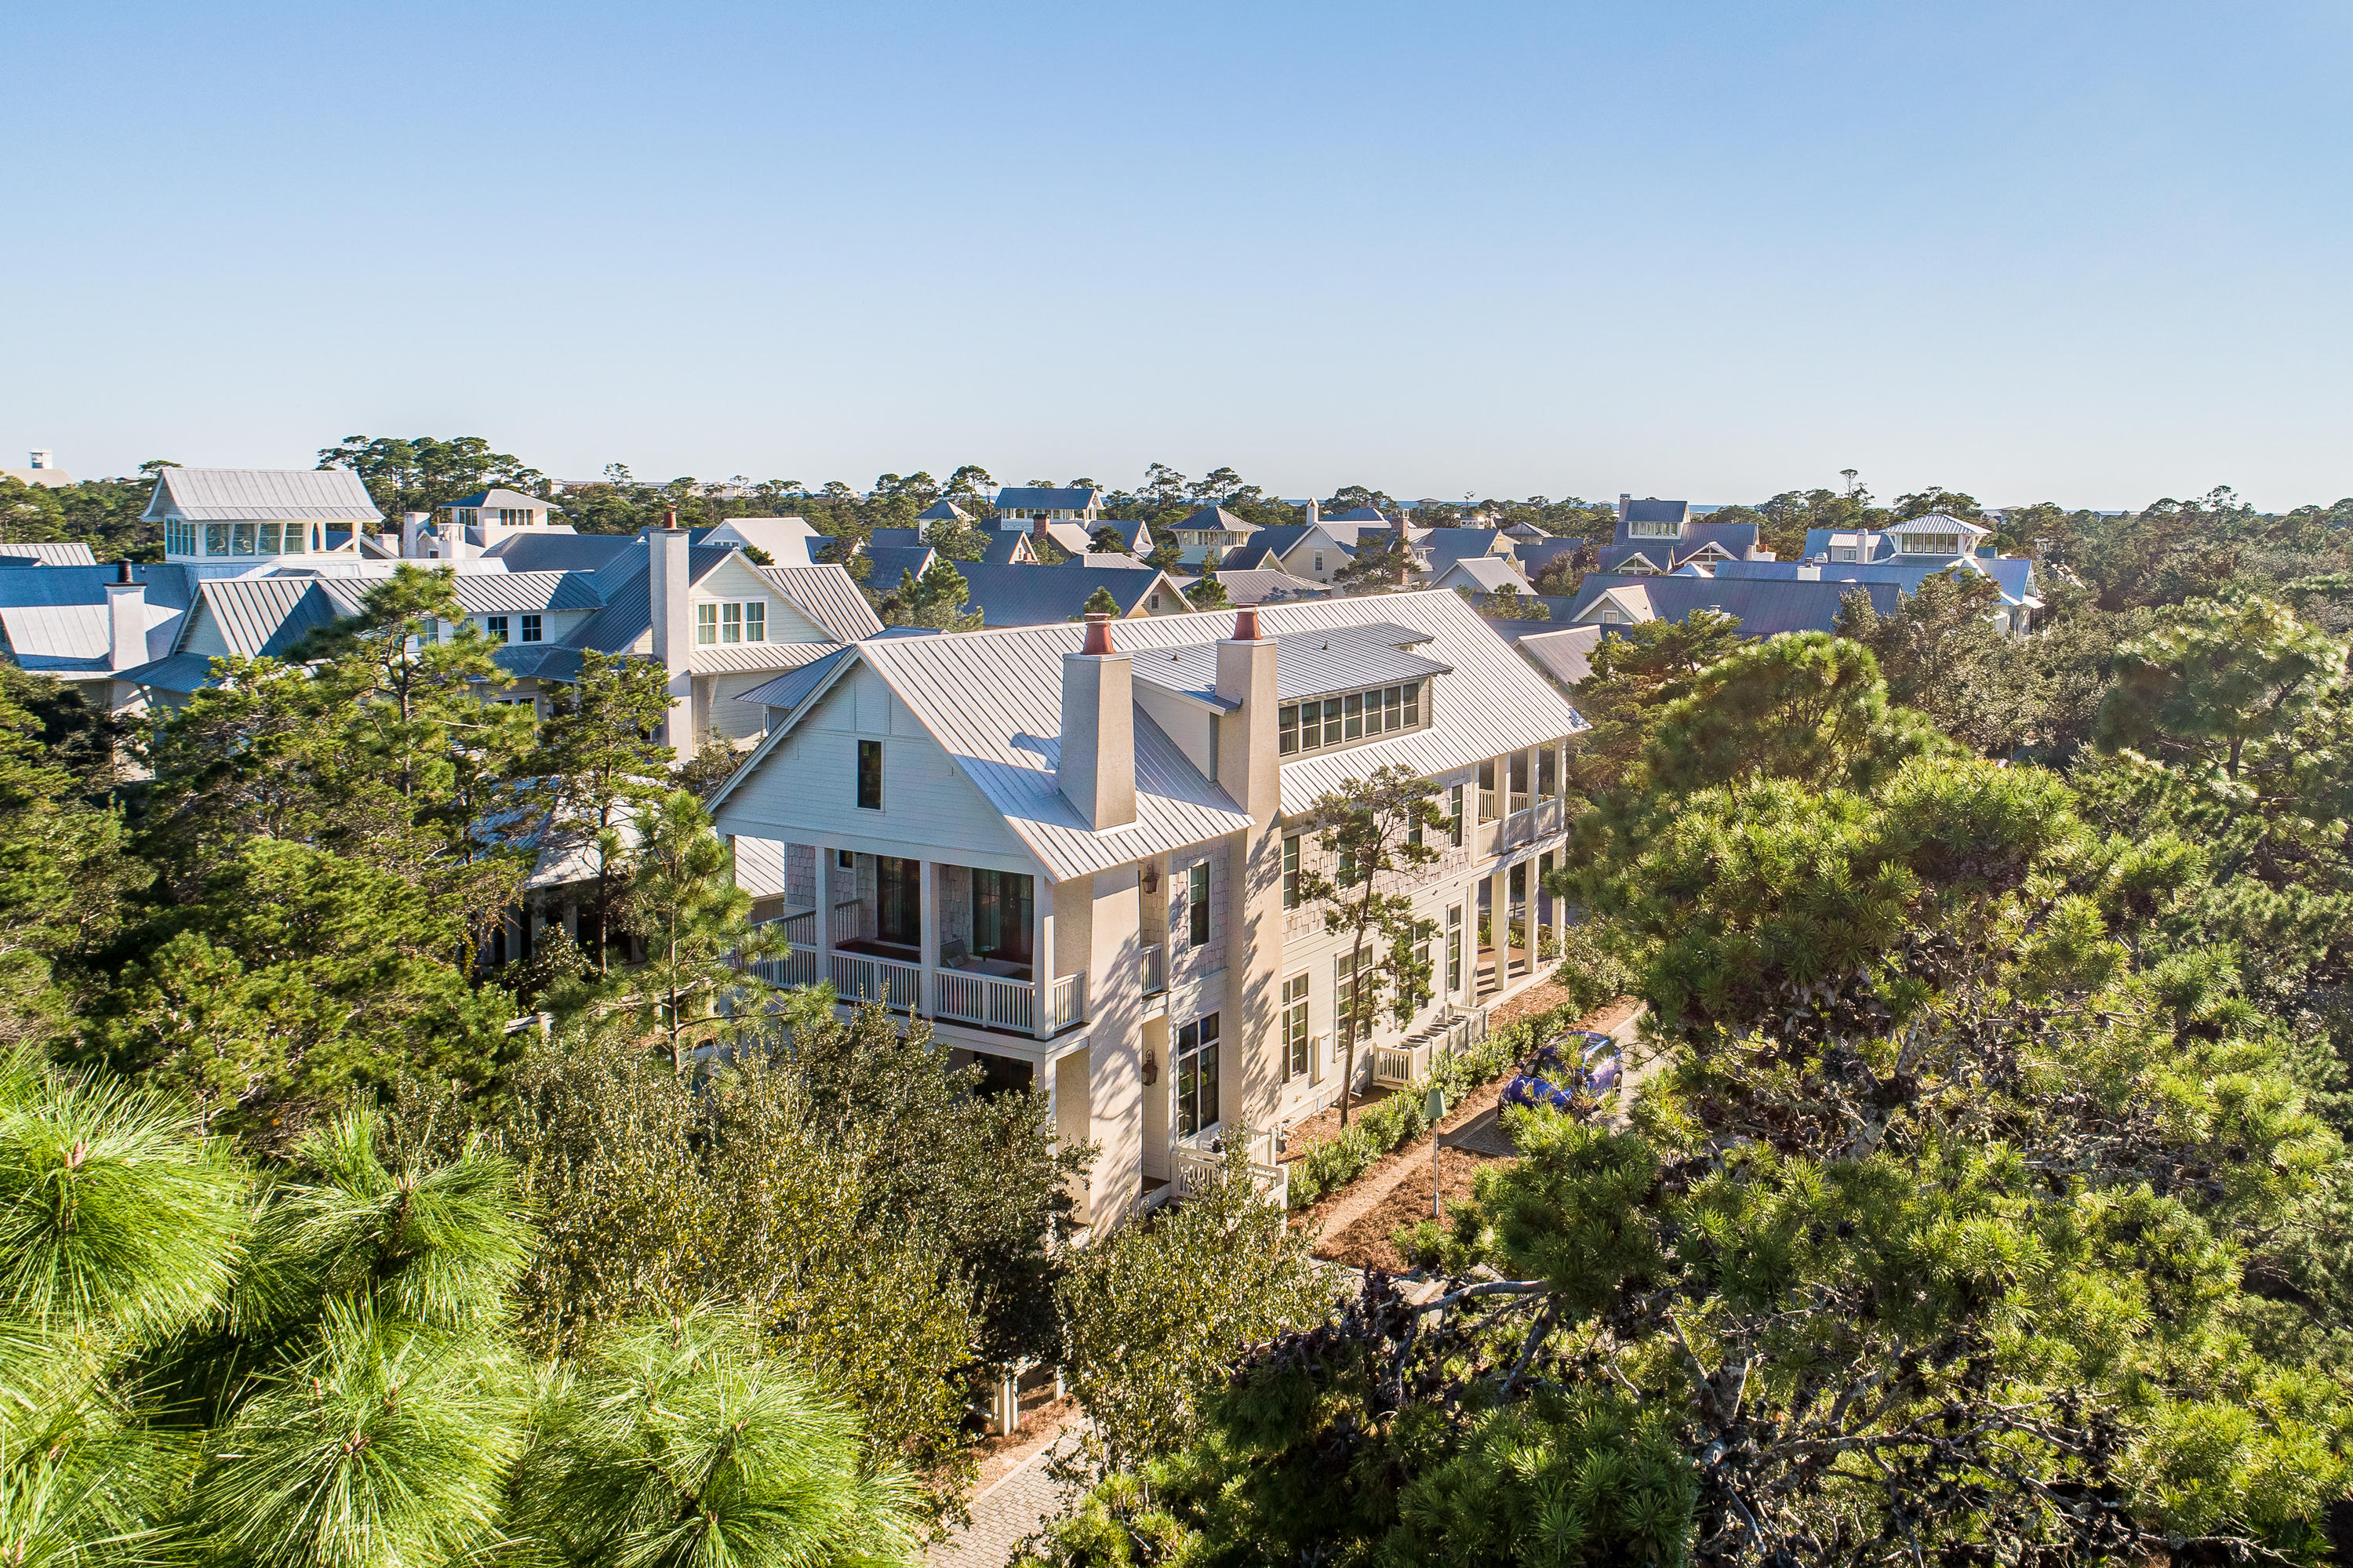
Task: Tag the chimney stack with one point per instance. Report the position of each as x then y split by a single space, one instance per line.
1247 768
667 573
1315 512
1096 771
126 620
1623 497
412 529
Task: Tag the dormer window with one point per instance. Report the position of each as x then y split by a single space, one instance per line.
740 622
1659 528
1328 722
1843 552
1932 544
515 517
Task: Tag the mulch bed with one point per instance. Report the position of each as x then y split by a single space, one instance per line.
1325 1124
1367 1243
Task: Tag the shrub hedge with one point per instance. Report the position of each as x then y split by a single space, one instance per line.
1397 1120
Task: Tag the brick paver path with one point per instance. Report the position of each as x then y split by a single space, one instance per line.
1002 1517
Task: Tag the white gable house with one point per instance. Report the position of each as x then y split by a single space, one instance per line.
1076 852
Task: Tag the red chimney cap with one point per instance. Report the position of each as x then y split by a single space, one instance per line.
1098 634
1246 624
670 518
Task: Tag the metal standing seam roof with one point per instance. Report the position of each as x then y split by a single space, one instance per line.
486 499
48 553
1035 498
791 688
1489 572
1306 664
236 495
1565 653
993 701
1249 585
739 658
827 595
178 673
1039 596
1766 607
548 551
270 615
501 593
889 561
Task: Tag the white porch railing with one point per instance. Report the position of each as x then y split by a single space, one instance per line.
1070 1003
991 1001
858 977
1155 968
1395 1066
797 967
1197 1165
994 1001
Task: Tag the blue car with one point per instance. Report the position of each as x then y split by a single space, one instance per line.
1568 1074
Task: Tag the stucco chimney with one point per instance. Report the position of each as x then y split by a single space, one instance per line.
1097 770
126 620
1623 497
1248 768
412 526
1315 512
667 573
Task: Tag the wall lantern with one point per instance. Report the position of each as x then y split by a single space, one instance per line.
1151 1067
1151 881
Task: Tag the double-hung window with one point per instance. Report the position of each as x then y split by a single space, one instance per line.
870 774
738 620
706 625
1454 810
1197 904
1454 950
1294 1026
1197 1075
1291 871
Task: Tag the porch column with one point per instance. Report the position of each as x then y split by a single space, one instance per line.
1041 950
826 934
927 931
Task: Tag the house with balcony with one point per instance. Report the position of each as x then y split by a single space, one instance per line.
1076 852
1209 530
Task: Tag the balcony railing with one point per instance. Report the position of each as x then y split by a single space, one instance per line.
798 967
1070 1003
1155 968
993 1002
858 977
1197 1165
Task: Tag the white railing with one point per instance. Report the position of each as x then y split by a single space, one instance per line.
858 977
1394 1066
798 967
1155 968
1070 1003
1196 1166
990 1001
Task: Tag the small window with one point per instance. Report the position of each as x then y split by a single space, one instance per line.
1156 602
1294 1026
1319 560
706 624
846 859
1454 810
1197 904
870 774
1291 871
531 625
1843 552
1355 715
1454 950
730 623
495 627
755 621
1286 724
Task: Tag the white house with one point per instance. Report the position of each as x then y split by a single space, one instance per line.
242 519
1076 852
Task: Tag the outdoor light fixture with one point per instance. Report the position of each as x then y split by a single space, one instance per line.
1151 1067
1151 881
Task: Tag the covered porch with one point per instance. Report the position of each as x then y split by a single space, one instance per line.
958 944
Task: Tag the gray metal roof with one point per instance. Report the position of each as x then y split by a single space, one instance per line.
993 699
737 658
1306 664
1251 586
1766 608
502 593
1008 547
891 560
270 615
1565 653
792 688
550 551
944 510
1658 510
1536 555
1214 517
894 539
486 499
1034 498
48 553
1489 572
176 673
1038 596
233 494
827 595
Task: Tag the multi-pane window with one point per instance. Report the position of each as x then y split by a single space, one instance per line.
1454 810
870 774
531 629
180 538
1352 715
1842 552
241 533
1294 1026
1661 529
1548 772
1454 950
1197 1075
1197 904
215 538
1291 871
269 534
495 627
740 620
1932 544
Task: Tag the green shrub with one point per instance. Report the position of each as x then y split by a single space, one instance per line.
1397 1120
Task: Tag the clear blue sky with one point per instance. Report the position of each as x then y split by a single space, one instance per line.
2093 253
